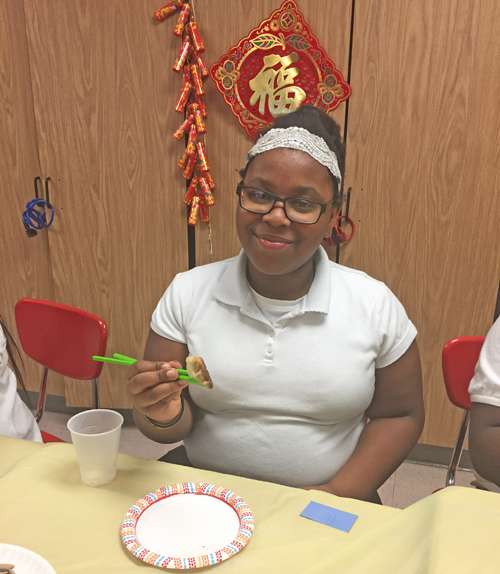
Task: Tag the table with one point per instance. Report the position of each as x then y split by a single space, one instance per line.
45 507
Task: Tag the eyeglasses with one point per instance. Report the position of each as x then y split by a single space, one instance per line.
298 209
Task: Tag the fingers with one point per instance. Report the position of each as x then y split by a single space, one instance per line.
153 385
145 374
147 366
163 393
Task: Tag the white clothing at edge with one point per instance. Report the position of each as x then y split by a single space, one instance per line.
289 398
485 385
16 419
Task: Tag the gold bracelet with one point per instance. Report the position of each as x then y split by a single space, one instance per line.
158 425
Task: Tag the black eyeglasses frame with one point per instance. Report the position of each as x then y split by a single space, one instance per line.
323 206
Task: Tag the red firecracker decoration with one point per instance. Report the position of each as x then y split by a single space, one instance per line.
168 9
194 164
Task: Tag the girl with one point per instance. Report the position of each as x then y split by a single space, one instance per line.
316 372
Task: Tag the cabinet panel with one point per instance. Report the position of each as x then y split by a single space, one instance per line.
222 24
25 263
104 100
422 157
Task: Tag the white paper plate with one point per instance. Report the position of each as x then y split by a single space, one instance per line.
25 561
187 525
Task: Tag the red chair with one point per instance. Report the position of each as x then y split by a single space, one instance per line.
62 339
459 360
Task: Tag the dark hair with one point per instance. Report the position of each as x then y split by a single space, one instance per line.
11 346
319 123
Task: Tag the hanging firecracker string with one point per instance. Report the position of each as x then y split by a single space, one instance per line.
189 62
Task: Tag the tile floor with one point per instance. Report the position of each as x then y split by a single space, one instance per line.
410 483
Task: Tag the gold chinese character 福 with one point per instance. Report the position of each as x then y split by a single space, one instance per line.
277 85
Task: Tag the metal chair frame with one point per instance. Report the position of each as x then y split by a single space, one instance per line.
43 394
458 449
459 358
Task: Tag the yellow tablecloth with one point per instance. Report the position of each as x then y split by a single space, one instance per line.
45 507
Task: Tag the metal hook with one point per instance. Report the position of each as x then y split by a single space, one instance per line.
348 202
47 179
35 181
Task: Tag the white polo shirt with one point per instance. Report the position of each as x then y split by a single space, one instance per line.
485 384
289 397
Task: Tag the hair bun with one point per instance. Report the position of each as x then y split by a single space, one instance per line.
319 123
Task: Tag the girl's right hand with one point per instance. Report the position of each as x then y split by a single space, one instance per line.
155 390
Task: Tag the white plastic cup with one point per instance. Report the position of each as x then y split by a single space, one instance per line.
96 437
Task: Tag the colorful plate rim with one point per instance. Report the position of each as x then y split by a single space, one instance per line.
128 528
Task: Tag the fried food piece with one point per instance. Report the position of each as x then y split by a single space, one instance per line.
197 369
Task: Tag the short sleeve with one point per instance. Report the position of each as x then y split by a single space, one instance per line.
485 384
397 332
168 317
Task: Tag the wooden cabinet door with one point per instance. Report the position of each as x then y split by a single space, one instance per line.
422 157
24 262
103 98
222 24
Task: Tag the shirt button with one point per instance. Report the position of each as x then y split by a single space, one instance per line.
269 350
271 334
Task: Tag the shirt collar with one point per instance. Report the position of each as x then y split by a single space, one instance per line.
319 295
233 288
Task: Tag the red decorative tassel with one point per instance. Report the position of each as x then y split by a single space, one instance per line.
195 208
201 105
170 8
183 98
186 124
188 170
209 198
196 36
187 74
182 56
183 18
205 216
194 69
198 84
191 145
202 157
183 161
198 118
202 66
208 177
191 192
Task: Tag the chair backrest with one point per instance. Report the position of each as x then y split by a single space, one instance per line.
459 361
61 338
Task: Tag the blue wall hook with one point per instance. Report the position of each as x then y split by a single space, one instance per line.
35 215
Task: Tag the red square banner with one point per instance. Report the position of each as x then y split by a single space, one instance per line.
278 67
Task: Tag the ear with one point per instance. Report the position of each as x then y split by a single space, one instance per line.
334 213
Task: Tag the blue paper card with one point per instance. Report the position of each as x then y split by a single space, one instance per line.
329 516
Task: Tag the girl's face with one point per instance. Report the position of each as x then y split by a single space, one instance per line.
273 244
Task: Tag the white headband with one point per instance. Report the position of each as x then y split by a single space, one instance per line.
303 140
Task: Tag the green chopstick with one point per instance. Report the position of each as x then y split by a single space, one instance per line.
130 360
124 358
118 359
111 360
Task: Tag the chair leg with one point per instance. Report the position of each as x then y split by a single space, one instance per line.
42 394
457 451
95 393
